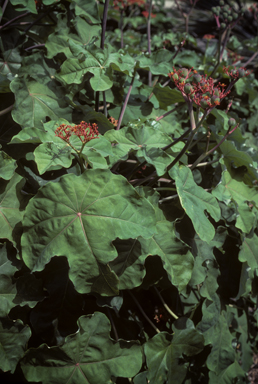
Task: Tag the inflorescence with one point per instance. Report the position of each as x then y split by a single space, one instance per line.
85 131
200 89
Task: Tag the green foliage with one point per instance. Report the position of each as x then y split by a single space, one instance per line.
128 193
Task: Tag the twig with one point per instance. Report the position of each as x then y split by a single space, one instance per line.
104 103
16 18
102 43
34 46
251 59
3 9
149 38
203 155
104 24
6 110
166 114
165 305
38 19
125 102
143 313
113 324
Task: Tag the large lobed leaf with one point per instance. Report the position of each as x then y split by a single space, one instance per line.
79 217
88 356
11 207
195 200
163 353
231 189
13 339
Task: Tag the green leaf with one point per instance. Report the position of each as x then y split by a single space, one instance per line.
187 58
231 189
26 290
11 207
71 212
88 356
146 141
176 257
36 101
222 354
232 374
129 264
13 340
136 109
25 5
195 200
163 353
10 62
239 159
7 166
52 156
211 312
159 62
248 252
87 9
8 263
167 96
204 253
210 285
96 61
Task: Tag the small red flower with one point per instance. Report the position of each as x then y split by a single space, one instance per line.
85 132
208 37
198 88
146 14
236 73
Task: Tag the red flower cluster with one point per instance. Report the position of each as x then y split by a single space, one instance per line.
208 37
198 88
84 131
146 14
236 73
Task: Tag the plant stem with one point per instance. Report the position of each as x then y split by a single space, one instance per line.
143 313
102 43
104 24
164 149
166 114
203 155
3 9
125 102
165 305
34 46
149 38
38 19
6 110
16 18
168 198
182 152
251 59
104 103
121 27
113 324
